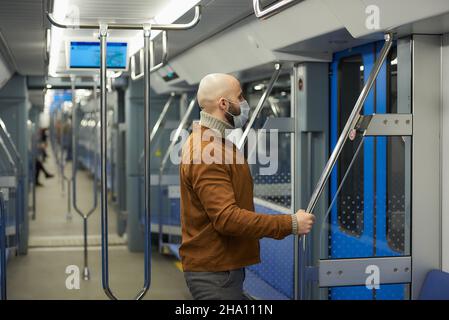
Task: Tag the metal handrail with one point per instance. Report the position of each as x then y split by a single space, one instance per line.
133 74
164 53
161 120
159 123
348 128
119 26
165 159
274 108
263 98
33 170
84 216
10 158
63 176
103 33
17 163
177 134
351 123
3 226
11 146
153 68
271 10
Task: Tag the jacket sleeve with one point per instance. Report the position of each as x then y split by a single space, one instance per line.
212 184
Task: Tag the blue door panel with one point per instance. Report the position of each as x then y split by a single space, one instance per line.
368 244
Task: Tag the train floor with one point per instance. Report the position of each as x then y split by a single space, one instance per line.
55 243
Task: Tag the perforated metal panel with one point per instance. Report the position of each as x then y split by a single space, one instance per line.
276 267
273 277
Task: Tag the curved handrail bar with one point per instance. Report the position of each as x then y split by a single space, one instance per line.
103 159
19 171
18 189
164 53
349 126
9 156
84 216
273 106
177 134
153 68
12 146
263 98
180 26
271 10
161 120
159 123
133 74
75 170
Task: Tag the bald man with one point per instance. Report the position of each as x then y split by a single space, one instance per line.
220 230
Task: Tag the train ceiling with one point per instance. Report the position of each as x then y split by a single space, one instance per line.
24 31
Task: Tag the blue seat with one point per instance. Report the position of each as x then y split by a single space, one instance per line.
436 286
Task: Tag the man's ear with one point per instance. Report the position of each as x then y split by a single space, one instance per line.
222 104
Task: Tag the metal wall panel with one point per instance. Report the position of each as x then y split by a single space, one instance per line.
426 162
445 154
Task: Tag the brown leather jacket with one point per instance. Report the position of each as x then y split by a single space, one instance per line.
220 230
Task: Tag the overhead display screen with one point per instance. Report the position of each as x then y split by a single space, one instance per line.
86 55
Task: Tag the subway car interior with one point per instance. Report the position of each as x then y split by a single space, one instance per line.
95 96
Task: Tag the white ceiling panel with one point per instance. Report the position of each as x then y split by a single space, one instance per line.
21 24
109 10
216 15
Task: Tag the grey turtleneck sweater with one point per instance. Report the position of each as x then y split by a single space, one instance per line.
209 121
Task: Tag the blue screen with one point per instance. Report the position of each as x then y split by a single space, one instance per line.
87 55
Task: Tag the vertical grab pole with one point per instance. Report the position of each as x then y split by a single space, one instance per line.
86 272
95 117
103 132
34 150
146 187
69 202
103 172
2 248
348 128
61 153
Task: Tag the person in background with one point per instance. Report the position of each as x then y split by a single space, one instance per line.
41 157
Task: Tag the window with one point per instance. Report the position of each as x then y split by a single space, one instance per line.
274 188
395 166
350 199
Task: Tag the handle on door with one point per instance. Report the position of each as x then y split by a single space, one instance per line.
319 188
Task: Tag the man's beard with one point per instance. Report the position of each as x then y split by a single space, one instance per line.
230 119
228 116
